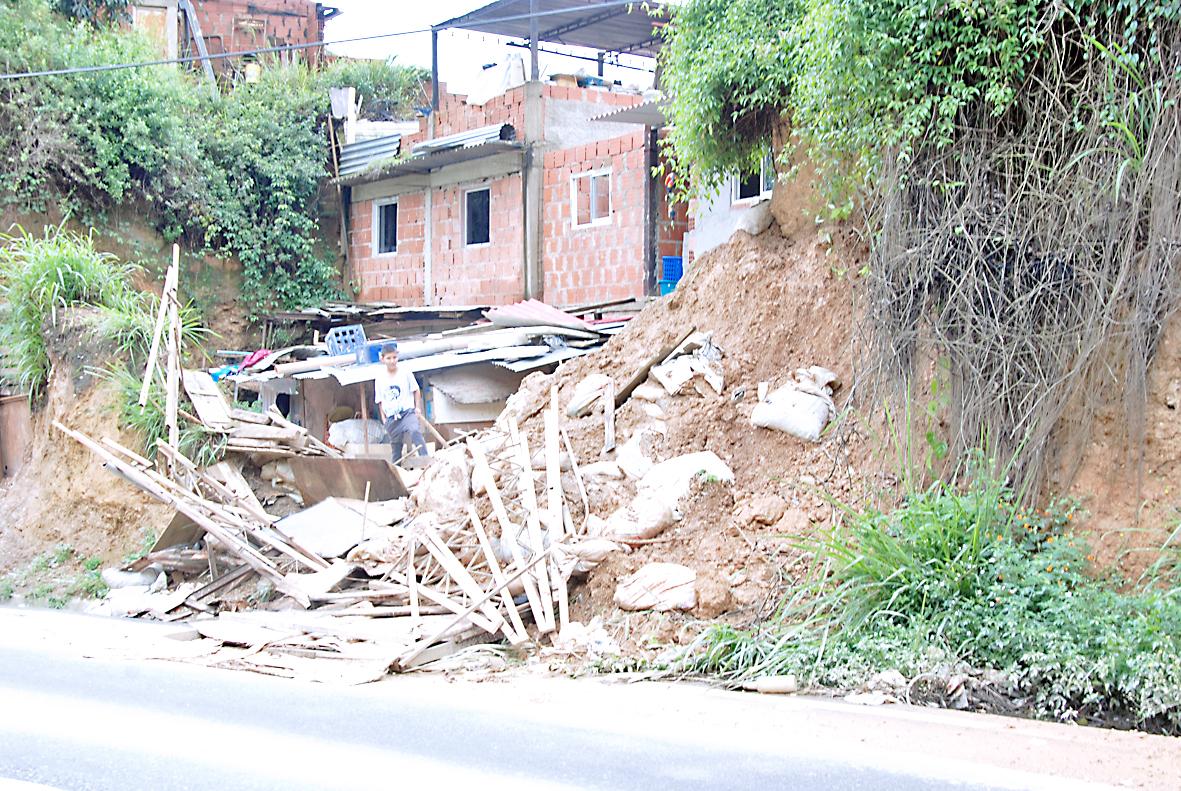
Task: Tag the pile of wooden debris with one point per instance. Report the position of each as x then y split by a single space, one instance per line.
401 581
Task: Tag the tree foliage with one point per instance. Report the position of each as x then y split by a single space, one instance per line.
238 174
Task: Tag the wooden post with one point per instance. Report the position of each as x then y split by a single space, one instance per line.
365 417
161 315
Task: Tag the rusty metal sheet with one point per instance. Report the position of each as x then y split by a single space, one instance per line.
321 478
16 433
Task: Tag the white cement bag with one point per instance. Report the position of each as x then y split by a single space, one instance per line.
586 394
347 431
670 480
658 586
756 219
788 409
646 517
631 459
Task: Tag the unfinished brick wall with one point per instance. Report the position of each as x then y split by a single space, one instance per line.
603 262
230 26
486 274
393 277
455 116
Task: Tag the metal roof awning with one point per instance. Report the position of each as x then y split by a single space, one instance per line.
355 157
611 26
468 139
649 114
422 165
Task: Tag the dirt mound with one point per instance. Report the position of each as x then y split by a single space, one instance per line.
772 305
62 493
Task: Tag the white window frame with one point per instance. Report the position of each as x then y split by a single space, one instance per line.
377 207
486 187
595 221
766 167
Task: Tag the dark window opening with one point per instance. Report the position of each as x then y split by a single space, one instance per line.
388 228
478 226
750 186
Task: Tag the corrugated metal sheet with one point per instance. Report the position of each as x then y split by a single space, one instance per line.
355 157
435 362
612 26
425 164
468 139
555 356
533 313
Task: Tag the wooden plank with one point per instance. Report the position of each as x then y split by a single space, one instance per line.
161 314
406 659
533 523
497 575
442 553
277 418
319 478
609 417
508 531
553 469
207 399
255 431
578 478
440 598
195 28
246 416
172 386
642 374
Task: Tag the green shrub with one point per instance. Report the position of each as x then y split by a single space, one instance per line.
971 576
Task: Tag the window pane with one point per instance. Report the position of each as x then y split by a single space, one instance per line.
749 186
582 200
388 233
768 173
602 196
478 227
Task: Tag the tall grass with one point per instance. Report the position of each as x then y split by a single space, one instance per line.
970 575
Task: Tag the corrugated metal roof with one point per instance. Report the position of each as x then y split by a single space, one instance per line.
355 157
648 114
612 27
468 139
425 164
555 356
435 362
533 313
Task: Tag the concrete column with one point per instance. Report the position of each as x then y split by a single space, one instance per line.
428 229
531 188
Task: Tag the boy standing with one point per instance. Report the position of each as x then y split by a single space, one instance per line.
400 402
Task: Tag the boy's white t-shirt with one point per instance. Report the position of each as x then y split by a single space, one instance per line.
395 392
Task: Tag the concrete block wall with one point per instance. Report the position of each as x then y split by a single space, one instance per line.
598 263
396 277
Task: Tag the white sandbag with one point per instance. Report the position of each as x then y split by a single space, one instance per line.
446 486
586 394
278 474
631 458
756 219
647 516
602 469
658 586
670 480
788 409
345 431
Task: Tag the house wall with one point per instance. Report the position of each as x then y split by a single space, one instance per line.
230 25
584 265
394 277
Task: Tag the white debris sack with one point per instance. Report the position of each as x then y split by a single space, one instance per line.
446 486
586 394
646 517
631 458
346 431
803 408
670 480
660 587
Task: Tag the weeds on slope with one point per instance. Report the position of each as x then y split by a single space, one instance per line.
968 575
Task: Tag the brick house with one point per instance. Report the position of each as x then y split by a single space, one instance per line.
591 229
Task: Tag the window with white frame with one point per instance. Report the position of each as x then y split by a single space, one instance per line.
385 228
478 216
590 193
757 184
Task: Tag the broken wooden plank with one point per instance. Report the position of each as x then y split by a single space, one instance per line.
434 544
254 431
161 315
508 531
642 374
578 478
532 523
497 575
246 416
207 399
553 469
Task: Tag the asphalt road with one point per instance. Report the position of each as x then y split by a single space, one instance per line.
67 722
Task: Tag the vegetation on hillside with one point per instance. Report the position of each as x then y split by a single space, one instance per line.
238 174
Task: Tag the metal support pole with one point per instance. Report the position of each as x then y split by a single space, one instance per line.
434 70
536 74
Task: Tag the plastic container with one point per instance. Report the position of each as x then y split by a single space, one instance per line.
670 268
667 286
345 340
370 352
